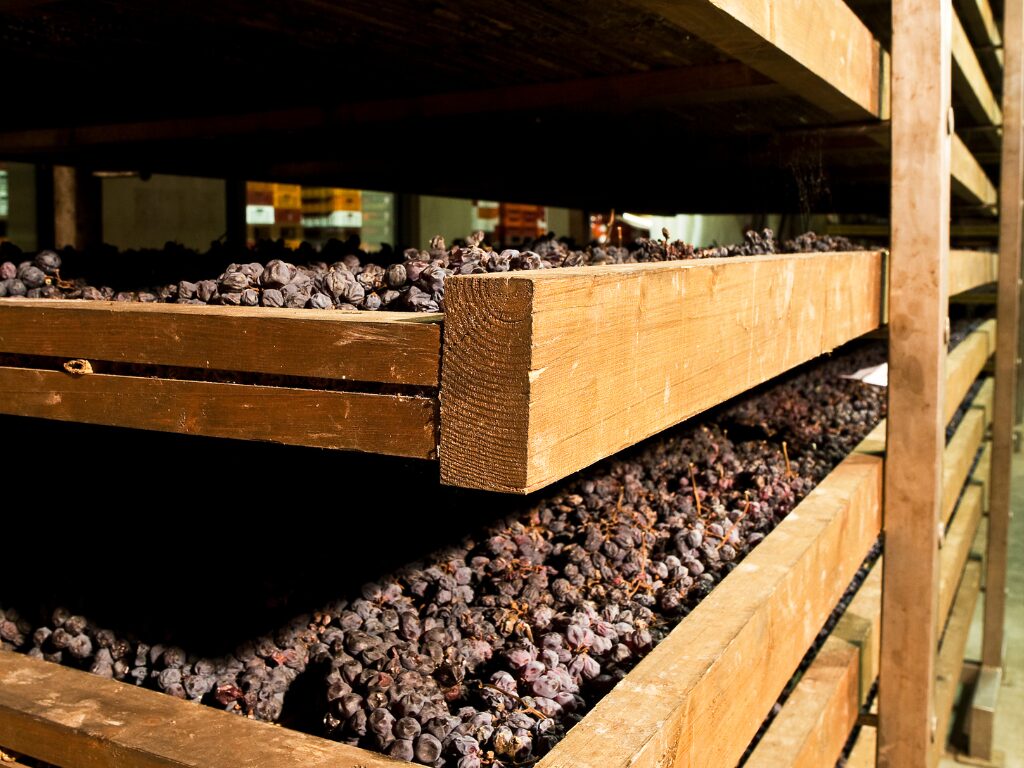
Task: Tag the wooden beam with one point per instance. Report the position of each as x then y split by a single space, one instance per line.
863 753
984 32
70 718
969 82
951 654
572 365
1008 312
76 207
818 49
861 625
392 347
982 720
982 476
970 182
956 548
971 269
354 421
958 459
670 710
985 399
918 292
963 365
819 714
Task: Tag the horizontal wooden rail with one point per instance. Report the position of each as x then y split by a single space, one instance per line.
982 474
393 347
78 720
969 81
981 26
569 366
671 709
970 183
389 424
971 269
864 748
965 363
860 625
958 458
956 548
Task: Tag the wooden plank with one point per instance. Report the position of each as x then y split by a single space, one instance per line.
390 424
816 48
76 208
970 182
816 721
971 269
1008 312
963 365
985 399
958 458
71 718
956 548
671 709
396 348
982 720
969 81
860 625
863 753
982 476
874 443
918 294
571 365
984 32
951 654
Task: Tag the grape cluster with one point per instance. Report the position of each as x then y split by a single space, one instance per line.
489 650
413 282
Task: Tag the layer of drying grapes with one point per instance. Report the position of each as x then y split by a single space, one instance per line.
338 277
489 650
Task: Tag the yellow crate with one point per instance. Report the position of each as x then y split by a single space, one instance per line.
287 196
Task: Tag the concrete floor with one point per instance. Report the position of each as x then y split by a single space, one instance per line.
1010 709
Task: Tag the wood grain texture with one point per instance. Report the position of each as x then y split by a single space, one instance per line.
963 365
72 718
985 399
970 182
971 269
818 49
864 748
694 700
1007 350
951 653
388 424
969 81
396 347
958 458
569 366
956 548
918 294
861 625
817 718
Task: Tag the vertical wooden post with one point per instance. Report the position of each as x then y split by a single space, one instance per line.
921 130
1008 314
76 207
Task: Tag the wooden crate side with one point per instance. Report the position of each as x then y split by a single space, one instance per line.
389 424
969 180
970 269
860 625
950 660
674 708
970 82
573 365
982 475
956 548
818 716
958 458
985 400
820 50
390 348
963 365
863 753
72 718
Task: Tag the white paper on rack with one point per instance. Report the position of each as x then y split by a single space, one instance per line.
876 374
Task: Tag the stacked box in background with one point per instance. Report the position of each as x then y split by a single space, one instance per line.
521 223
273 211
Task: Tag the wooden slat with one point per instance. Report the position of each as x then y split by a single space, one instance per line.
951 654
981 25
818 49
956 548
78 720
958 458
970 182
863 753
672 708
396 347
388 424
1007 351
816 720
918 294
982 720
874 443
860 625
569 366
970 269
982 476
969 82
985 399
963 366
